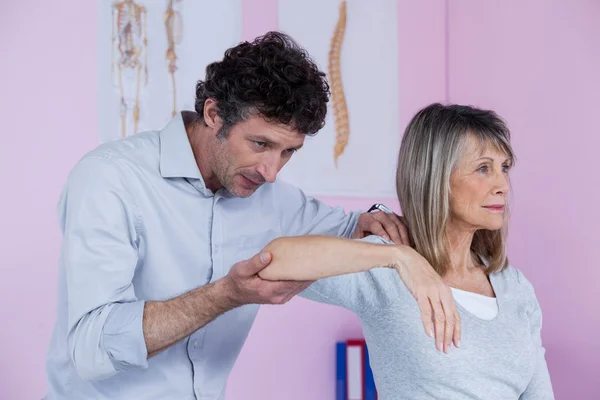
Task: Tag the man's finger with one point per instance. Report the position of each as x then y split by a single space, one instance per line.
404 235
399 227
377 228
281 292
297 288
388 226
402 228
256 264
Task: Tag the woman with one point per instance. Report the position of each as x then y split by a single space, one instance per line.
452 184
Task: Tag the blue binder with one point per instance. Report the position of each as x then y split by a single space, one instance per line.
340 371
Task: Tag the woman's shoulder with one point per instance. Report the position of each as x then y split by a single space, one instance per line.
513 280
512 274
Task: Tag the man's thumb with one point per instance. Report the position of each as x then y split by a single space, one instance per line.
265 257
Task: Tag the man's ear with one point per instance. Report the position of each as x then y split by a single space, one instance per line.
211 119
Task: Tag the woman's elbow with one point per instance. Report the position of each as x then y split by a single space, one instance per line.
276 269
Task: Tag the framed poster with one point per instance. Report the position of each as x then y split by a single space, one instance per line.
356 43
151 53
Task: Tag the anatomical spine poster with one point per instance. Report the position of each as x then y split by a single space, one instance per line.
356 43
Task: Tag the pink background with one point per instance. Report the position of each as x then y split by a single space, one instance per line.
534 62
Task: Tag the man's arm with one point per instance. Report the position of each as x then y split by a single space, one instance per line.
305 215
167 322
109 328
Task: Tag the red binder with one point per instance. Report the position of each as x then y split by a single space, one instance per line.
355 369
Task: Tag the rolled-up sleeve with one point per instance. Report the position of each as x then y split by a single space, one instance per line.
100 225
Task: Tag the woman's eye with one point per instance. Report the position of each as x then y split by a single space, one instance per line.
483 169
505 168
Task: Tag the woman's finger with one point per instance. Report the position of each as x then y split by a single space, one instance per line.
426 315
439 320
447 303
457 328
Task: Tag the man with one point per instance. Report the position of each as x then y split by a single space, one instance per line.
158 284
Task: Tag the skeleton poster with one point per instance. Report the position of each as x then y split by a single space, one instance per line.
356 43
151 53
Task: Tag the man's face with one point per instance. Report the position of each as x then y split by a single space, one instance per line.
253 153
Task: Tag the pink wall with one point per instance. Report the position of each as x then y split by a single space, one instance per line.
535 63
48 120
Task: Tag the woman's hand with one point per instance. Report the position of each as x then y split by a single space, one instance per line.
309 258
438 310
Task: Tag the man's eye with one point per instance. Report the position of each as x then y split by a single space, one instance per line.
260 144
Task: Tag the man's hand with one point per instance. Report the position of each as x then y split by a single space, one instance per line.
388 226
244 286
439 314
167 322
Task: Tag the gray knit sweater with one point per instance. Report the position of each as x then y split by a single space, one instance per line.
498 359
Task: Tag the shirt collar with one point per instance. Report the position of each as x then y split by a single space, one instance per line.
176 155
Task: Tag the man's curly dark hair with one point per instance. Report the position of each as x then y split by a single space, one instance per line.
272 77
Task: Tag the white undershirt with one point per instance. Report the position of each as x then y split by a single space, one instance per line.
481 306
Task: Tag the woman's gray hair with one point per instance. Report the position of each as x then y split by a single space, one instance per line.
431 146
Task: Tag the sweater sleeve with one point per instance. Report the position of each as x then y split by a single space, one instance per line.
361 292
540 386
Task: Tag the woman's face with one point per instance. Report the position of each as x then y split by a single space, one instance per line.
479 186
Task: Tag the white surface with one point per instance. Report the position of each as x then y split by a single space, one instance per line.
355 373
481 306
209 28
369 68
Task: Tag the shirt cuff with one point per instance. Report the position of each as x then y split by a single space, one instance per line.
123 336
352 223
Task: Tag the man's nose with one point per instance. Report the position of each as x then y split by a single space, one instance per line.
269 170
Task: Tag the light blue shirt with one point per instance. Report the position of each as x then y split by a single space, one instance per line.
138 224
